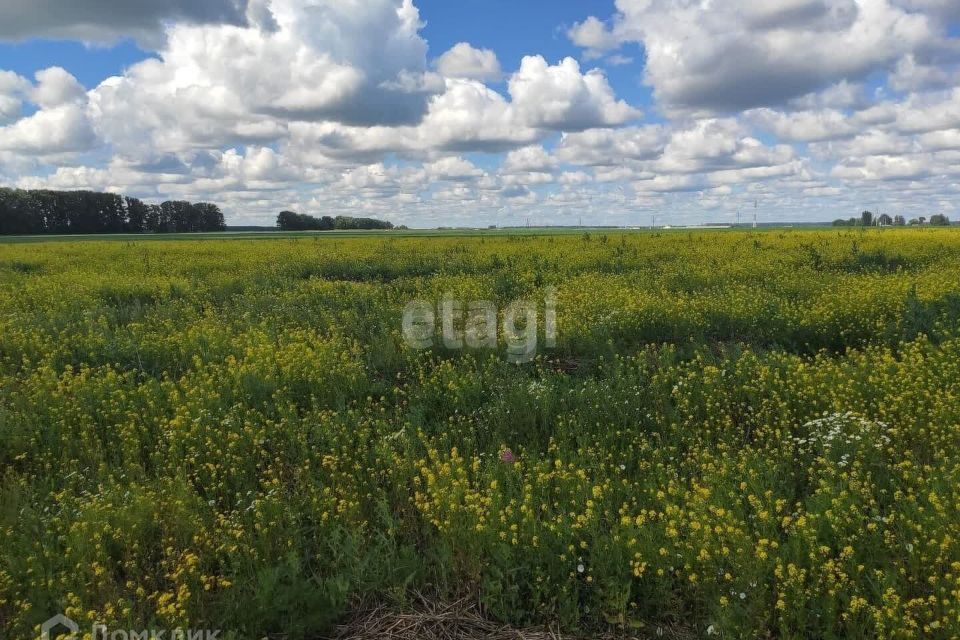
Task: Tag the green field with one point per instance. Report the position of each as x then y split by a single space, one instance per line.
737 434
328 235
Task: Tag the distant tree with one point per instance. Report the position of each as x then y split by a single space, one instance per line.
45 211
113 214
80 210
841 223
921 220
178 216
899 221
866 219
939 220
52 212
286 220
884 220
913 222
154 217
17 213
138 215
211 218
291 221
349 223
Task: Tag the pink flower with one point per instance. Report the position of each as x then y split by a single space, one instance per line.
507 457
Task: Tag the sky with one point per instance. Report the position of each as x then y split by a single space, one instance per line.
488 112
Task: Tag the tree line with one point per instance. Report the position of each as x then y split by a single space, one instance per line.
291 221
867 219
65 212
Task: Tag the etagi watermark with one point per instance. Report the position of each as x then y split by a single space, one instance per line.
474 325
60 627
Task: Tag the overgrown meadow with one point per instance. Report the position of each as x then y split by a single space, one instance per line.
738 434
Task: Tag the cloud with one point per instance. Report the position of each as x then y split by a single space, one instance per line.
357 63
573 178
258 168
519 193
110 20
594 36
738 54
453 169
822 192
372 180
532 158
561 98
60 125
752 175
946 9
842 95
470 116
465 61
716 144
613 146
61 129
618 60
940 140
870 143
12 88
884 167
467 116
921 113
69 178
804 126
55 87
670 184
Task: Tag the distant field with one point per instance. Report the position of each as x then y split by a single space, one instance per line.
410 233
274 235
736 433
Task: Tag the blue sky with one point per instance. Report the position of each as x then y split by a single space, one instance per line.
517 29
513 29
90 64
492 111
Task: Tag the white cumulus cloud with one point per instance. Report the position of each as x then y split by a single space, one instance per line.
466 61
560 97
737 54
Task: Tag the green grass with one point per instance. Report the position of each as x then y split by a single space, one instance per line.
754 431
